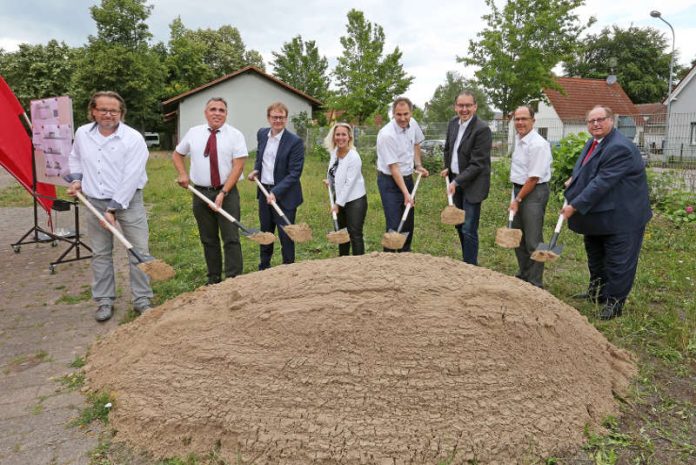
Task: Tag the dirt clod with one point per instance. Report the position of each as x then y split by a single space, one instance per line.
338 237
157 270
300 232
263 238
452 215
508 238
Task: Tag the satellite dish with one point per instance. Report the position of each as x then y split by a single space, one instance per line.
611 79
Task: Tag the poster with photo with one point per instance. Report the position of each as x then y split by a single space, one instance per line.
52 136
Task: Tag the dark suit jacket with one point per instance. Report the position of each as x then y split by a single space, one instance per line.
287 170
474 156
609 193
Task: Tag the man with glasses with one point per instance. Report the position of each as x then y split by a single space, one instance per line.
467 154
279 164
608 203
218 152
107 163
530 172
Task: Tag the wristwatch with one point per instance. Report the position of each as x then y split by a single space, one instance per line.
224 192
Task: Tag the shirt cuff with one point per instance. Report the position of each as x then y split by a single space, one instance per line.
73 177
114 205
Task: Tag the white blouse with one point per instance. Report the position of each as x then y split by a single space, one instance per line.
349 181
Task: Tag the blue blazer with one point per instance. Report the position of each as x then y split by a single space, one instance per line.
609 193
288 167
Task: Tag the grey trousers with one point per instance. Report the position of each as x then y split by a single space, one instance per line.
133 223
530 219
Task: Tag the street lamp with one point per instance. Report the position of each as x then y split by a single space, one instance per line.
657 14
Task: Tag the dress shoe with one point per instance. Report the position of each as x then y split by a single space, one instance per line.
610 310
142 308
590 295
104 313
212 280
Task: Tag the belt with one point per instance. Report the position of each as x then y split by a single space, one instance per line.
408 176
519 186
208 188
268 187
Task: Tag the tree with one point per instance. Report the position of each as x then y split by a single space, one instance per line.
38 71
299 64
120 58
521 45
367 82
225 51
639 57
440 108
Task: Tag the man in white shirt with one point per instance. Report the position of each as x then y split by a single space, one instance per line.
218 152
530 173
398 156
107 163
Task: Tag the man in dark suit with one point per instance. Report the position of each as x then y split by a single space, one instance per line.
468 164
608 203
279 163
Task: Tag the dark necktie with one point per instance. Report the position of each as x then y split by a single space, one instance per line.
211 151
589 152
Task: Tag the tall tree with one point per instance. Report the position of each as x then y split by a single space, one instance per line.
440 108
521 45
120 58
225 51
639 57
299 64
185 61
38 71
367 81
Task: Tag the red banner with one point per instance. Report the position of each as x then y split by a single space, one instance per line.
15 147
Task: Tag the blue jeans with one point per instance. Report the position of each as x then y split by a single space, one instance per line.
269 219
468 231
393 205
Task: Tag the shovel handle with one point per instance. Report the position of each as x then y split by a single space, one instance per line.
450 201
557 230
333 213
413 196
109 226
231 218
273 204
511 214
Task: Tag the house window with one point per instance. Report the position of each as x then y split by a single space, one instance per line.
693 134
543 132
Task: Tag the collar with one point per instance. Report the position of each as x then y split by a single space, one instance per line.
277 136
399 129
117 133
526 137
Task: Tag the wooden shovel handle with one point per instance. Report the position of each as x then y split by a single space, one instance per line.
109 226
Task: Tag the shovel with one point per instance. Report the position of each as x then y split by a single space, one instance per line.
551 251
396 239
255 235
337 236
157 270
509 238
451 214
296 232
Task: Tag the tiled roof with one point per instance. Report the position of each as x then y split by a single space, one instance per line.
652 108
582 94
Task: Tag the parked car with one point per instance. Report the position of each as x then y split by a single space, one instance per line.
151 139
432 146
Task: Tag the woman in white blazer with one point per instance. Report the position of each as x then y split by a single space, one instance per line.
345 176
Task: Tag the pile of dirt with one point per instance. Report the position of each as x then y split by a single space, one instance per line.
384 358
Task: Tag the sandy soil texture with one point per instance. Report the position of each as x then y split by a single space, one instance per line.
384 358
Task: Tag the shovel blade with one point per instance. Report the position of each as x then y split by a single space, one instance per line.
557 249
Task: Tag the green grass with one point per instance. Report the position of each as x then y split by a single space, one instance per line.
71 299
97 409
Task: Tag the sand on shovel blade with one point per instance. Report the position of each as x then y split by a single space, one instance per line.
508 238
544 256
338 237
393 240
157 270
263 238
452 215
299 232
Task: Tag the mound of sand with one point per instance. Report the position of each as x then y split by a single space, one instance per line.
384 358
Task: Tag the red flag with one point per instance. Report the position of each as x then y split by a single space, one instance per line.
15 146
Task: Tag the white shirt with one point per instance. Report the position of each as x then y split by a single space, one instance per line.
396 145
230 145
111 167
349 182
454 166
531 158
269 156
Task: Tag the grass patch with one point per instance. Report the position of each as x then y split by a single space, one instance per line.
73 381
98 408
68 299
15 196
79 362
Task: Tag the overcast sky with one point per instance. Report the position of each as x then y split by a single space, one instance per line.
430 33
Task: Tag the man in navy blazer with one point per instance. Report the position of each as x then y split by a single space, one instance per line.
279 163
608 203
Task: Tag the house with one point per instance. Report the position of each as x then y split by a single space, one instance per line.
248 93
565 112
653 135
681 133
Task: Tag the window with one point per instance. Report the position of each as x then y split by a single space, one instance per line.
543 132
693 134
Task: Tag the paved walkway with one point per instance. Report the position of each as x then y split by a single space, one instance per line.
40 335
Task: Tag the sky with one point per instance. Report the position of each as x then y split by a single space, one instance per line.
431 34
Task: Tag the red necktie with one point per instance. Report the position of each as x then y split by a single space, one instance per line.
211 149
589 152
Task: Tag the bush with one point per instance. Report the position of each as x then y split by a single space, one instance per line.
433 160
565 154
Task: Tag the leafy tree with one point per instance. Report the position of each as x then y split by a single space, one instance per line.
520 46
224 50
38 71
639 57
367 82
299 64
186 67
120 58
440 108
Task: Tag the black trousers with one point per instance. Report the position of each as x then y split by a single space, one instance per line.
269 219
613 260
352 216
209 223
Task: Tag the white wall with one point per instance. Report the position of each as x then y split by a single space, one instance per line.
248 95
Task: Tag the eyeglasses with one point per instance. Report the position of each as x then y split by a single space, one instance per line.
277 118
106 111
522 118
592 122
465 105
